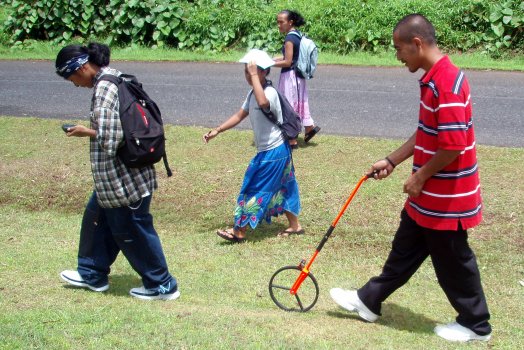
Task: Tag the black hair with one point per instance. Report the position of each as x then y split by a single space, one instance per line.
416 25
99 54
294 16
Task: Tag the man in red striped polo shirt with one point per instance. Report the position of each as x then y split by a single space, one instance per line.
443 193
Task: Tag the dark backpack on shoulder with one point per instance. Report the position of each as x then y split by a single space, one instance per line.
291 124
144 140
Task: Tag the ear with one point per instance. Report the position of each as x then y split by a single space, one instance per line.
417 42
83 68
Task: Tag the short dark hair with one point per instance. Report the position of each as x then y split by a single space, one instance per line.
99 54
294 16
416 25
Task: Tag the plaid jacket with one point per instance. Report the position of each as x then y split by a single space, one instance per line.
116 185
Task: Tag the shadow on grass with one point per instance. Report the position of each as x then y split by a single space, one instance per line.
119 285
262 232
396 317
302 144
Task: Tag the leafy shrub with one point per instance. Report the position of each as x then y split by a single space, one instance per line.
495 26
150 22
55 20
4 37
336 25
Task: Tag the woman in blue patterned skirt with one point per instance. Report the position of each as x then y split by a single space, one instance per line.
269 188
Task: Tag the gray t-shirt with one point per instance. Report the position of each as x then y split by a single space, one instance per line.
267 134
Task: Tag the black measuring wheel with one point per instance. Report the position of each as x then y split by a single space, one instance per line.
281 289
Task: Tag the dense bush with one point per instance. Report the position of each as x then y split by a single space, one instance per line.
336 25
493 25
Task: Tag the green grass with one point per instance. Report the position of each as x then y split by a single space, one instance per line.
225 302
47 51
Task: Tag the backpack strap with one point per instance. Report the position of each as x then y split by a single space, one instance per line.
109 77
296 32
166 165
269 115
294 65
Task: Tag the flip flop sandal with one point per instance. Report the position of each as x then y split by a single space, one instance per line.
286 233
311 133
229 236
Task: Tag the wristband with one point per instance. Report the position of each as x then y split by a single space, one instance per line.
390 162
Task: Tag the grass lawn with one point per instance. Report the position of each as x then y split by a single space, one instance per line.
471 60
225 302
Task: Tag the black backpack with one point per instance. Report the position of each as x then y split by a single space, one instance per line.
291 124
144 140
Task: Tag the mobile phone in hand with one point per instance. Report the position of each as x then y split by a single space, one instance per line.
65 127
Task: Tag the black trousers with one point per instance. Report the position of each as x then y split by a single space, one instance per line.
455 266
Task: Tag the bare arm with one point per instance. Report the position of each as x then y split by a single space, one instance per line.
414 184
81 131
234 120
287 60
384 167
258 90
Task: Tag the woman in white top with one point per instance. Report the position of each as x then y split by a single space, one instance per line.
269 188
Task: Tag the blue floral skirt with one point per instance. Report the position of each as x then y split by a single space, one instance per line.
269 188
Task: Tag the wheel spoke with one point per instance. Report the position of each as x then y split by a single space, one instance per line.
282 295
280 287
299 302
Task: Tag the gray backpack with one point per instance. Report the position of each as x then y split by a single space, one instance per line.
307 56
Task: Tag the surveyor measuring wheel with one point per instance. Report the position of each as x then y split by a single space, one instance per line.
294 288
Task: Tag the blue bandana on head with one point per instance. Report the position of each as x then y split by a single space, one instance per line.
72 65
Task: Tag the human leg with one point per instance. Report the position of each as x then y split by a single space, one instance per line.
97 250
294 227
310 129
301 106
287 86
133 230
458 274
407 254
269 188
295 90
235 235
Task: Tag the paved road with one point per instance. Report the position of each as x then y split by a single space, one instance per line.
353 101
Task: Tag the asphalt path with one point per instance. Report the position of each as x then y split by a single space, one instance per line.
351 101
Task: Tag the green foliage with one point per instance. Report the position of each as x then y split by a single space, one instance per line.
55 20
494 26
152 22
340 26
4 37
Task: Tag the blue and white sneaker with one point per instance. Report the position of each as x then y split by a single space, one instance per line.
154 294
73 277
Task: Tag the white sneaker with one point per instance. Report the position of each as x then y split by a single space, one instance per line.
73 277
349 300
153 294
455 332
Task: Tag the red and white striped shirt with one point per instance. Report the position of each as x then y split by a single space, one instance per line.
452 195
